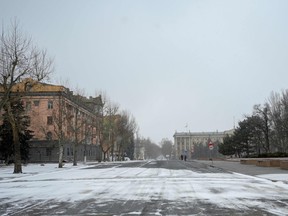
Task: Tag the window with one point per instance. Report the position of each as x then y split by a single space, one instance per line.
49 135
36 103
50 104
28 106
48 152
49 120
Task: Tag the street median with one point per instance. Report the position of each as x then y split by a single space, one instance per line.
269 162
284 165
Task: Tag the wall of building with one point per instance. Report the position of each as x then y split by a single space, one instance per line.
48 151
186 142
37 108
50 106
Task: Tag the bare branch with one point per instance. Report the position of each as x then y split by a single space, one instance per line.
19 59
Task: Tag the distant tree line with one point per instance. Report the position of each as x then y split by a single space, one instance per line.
264 133
116 132
154 151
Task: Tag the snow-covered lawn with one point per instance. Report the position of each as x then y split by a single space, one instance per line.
275 177
70 184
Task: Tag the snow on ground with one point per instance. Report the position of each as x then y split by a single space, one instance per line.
229 190
275 177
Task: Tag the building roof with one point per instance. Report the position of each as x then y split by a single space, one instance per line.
32 88
30 85
215 133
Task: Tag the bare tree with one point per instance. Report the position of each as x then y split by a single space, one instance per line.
106 125
264 124
60 116
19 59
166 147
75 125
109 128
80 124
126 128
152 150
278 105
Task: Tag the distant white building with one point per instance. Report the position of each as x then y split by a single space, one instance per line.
184 142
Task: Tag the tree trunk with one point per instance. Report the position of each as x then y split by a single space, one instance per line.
119 152
16 140
104 156
75 154
76 130
60 165
17 153
60 132
112 147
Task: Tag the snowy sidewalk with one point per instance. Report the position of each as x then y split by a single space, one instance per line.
271 173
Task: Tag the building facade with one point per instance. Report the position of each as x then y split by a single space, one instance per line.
59 116
185 143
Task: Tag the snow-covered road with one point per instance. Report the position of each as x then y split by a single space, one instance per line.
137 189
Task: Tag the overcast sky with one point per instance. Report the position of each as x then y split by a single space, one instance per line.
170 63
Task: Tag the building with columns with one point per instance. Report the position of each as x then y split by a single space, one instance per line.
186 142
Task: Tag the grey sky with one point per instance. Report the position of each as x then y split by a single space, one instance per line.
168 62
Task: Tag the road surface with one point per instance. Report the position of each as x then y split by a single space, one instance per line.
140 188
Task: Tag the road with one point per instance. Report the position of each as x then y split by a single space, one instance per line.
142 188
